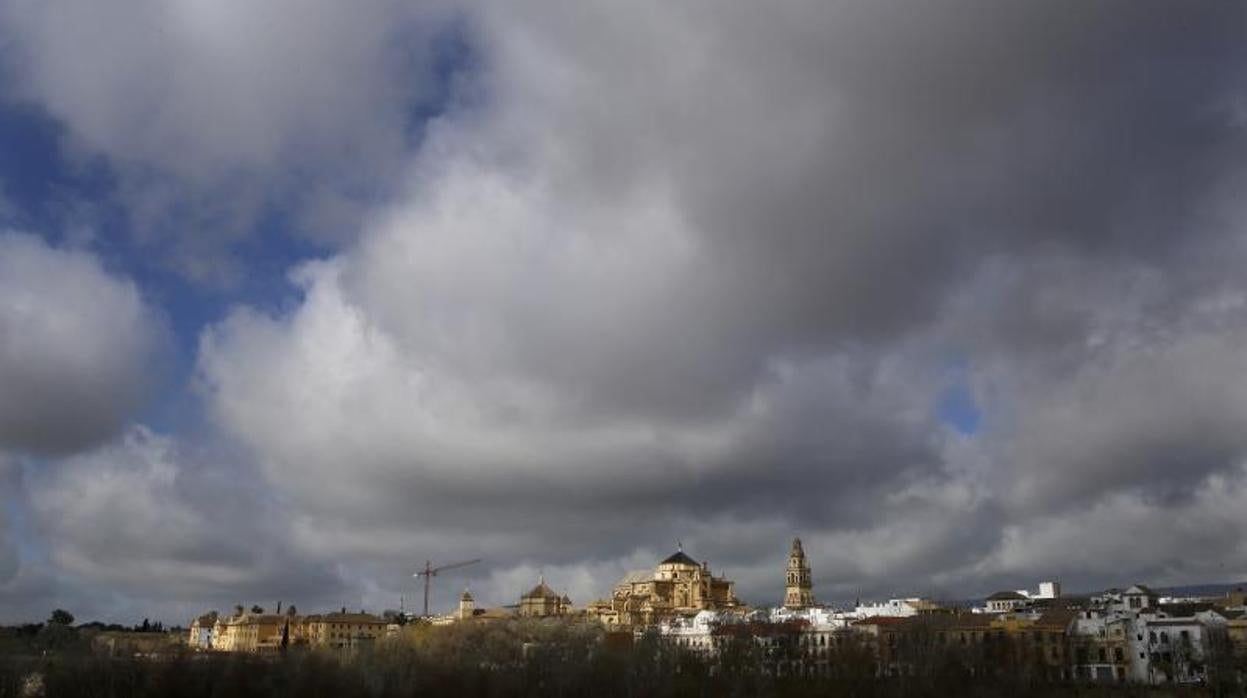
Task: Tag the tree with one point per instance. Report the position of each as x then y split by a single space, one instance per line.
292 611
257 609
61 617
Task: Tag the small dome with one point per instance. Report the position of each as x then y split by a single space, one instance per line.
541 591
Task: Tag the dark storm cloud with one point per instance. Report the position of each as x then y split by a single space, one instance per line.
8 543
843 160
704 273
721 278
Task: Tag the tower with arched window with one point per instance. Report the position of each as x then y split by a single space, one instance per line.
799 589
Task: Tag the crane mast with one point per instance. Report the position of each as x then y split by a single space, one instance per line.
429 572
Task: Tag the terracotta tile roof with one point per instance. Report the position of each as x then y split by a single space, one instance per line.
637 576
888 621
1187 609
1057 618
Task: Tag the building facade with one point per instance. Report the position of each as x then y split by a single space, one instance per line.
248 632
340 630
201 631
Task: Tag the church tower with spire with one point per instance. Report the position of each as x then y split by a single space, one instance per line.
799 590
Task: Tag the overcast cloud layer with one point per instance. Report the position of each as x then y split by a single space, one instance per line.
951 290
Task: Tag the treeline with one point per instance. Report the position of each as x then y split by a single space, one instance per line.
522 658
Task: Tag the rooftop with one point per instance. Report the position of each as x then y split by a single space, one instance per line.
1006 596
680 558
541 591
637 576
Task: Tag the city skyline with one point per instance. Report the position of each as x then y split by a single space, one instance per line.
297 296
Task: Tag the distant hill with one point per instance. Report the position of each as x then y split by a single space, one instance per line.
1207 589
1200 589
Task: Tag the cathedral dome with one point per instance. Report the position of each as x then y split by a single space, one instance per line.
541 591
679 558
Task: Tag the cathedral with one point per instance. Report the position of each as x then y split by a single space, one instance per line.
678 586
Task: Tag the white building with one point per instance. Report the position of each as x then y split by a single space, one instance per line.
1166 647
694 634
892 608
1005 601
1047 590
1136 599
815 616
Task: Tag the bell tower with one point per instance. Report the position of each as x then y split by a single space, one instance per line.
467 606
799 590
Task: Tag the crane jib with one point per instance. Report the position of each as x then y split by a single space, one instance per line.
430 571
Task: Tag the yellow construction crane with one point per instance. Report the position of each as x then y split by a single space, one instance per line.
430 572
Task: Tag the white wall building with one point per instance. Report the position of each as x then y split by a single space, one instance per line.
693 634
1048 590
1167 648
892 608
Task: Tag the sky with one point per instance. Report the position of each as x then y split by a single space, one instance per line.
295 296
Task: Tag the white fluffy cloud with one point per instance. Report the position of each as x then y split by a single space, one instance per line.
78 347
214 114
